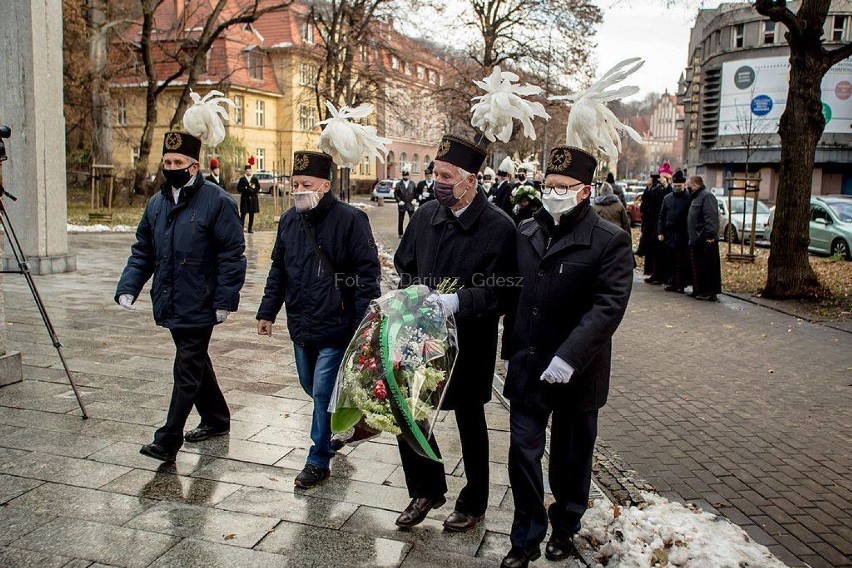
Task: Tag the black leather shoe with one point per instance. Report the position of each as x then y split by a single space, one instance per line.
520 558
459 522
158 452
417 511
311 476
203 433
560 548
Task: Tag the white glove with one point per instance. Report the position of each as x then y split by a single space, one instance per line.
221 315
450 303
126 302
557 372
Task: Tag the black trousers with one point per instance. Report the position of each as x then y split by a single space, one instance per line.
402 213
572 444
677 269
427 478
706 269
195 385
251 219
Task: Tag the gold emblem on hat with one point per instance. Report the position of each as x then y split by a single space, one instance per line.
443 148
301 162
173 141
560 160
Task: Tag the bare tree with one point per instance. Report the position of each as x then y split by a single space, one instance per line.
790 273
187 50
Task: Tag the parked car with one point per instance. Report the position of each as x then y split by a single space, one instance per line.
383 189
733 227
830 225
634 204
267 180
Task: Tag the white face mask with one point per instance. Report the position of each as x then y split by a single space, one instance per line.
558 205
306 200
486 185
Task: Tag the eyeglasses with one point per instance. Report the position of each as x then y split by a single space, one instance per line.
561 189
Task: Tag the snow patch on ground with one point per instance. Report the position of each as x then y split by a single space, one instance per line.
361 206
100 228
665 533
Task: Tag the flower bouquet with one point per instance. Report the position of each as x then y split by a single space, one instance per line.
396 369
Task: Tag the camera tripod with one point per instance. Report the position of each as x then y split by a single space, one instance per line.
24 268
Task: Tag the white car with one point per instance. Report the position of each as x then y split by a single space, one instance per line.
737 225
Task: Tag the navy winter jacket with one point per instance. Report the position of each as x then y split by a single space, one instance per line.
194 249
323 308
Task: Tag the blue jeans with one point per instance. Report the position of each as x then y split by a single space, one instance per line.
317 368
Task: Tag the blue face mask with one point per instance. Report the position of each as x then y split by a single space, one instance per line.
445 194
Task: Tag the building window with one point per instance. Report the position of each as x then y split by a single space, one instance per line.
365 53
365 167
134 155
394 62
121 113
403 162
308 32
426 161
415 163
433 77
307 117
838 30
768 33
259 114
408 69
737 36
307 75
260 158
239 104
421 73
254 62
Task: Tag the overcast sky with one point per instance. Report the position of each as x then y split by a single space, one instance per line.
648 29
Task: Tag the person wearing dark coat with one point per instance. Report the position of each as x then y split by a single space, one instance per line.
248 186
610 208
672 232
459 236
703 230
214 173
617 189
325 270
191 242
425 186
577 272
404 195
652 202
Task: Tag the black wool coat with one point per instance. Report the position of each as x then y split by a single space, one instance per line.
577 279
673 215
652 203
503 197
249 203
194 250
403 194
477 248
323 307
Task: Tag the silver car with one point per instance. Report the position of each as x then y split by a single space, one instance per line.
830 227
737 225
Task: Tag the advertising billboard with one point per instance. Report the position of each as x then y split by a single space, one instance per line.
754 94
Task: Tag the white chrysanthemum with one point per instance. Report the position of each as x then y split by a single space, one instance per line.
502 103
204 118
591 125
347 142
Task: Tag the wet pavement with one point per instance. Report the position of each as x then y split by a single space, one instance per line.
78 493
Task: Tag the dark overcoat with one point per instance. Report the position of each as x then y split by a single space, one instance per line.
477 248
194 250
324 307
673 215
403 194
249 202
577 279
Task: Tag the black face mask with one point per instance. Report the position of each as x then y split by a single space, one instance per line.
177 178
522 177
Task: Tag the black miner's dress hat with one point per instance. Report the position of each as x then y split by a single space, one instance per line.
314 164
182 143
457 151
572 162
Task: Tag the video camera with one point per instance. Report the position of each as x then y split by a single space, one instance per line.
5 132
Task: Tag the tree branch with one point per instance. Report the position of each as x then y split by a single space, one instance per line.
777 11
835 56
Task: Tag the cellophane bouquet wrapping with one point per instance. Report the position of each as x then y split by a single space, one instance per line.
397 367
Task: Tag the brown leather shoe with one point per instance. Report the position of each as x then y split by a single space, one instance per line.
417 511
459 522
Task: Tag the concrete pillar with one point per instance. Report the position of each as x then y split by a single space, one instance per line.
31 104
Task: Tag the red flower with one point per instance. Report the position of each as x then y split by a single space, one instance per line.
380 390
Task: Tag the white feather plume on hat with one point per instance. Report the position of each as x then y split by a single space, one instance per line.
503 102
591 125
529 164
507 165
488 172
204 118
347 142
